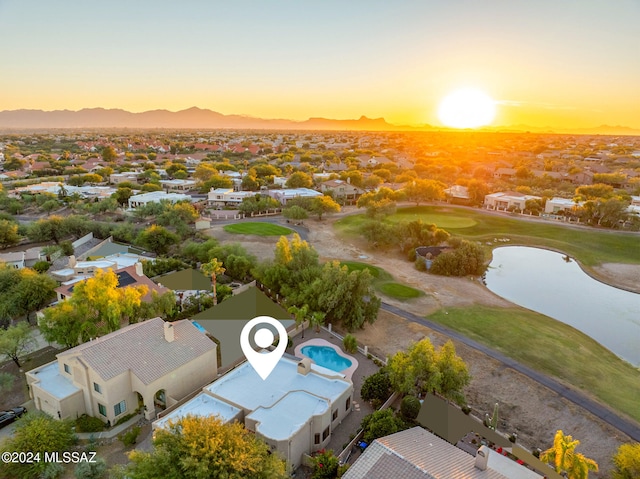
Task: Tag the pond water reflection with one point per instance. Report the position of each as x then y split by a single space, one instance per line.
553 284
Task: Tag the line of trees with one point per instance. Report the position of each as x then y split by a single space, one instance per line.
296 273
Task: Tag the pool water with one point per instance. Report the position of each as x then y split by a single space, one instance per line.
327 357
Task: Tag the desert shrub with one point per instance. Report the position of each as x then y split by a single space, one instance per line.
89 424
410 407
350 343
129 437
376 387
91 470
41 266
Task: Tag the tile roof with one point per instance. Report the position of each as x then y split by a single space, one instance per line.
416 454
142 349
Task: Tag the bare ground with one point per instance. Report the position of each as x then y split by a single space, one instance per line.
525 407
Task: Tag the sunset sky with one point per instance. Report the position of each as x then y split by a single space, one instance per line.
568 63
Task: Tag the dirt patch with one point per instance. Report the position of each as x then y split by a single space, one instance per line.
525 407
262 247
440 291
625 276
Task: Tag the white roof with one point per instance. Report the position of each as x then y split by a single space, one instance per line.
159 195
561 202
177 182
56 384
202 405
283 379
287 416
293 192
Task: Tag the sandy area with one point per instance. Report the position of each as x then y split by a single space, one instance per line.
525 407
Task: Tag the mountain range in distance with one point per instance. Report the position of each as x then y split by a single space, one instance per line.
198 118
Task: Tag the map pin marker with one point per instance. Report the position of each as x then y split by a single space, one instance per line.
263 363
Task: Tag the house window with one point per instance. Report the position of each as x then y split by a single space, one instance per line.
317 438
334 415
325 433
120 408
102 410
67 369
97 388
348 404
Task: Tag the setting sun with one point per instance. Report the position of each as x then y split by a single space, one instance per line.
467 108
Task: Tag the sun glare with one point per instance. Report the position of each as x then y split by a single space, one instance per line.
467 108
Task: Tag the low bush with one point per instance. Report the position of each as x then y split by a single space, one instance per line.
89 424
129 438
410 407
350 343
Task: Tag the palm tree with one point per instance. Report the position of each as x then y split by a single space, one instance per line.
317 319
565 460
300 314
213 268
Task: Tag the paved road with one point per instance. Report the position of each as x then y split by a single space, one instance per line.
628 427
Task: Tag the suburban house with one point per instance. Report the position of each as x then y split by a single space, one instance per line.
127 277
506 200
457 194
177 185
126 177
555 205
23 259
145 366
227 196
58 189
156 197
343 190
418 454
294 410
287 194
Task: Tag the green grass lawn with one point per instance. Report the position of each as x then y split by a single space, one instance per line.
553 348
399 291
377 273
259 229
590 246
383 281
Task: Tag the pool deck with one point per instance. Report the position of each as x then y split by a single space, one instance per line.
348 373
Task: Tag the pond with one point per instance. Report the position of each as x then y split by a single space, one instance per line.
554 284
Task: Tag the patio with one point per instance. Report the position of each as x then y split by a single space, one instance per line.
341 436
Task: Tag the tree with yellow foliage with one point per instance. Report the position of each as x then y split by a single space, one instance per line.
564 459
97 307
197 447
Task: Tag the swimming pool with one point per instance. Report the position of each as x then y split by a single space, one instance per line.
327 357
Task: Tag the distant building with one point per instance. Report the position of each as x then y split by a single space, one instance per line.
129 176
177 185
555 205
227 196
342 190
287 194
23 259
156 197
507 200
457 194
